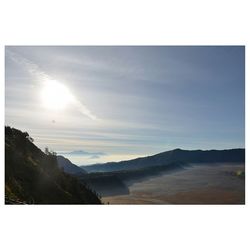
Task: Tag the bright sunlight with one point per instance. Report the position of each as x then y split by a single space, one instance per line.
55 95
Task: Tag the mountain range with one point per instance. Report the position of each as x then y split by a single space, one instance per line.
168 157
113 178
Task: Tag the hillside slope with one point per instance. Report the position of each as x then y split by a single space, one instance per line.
33 177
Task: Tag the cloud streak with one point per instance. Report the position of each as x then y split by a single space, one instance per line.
82 153
34 70
84 110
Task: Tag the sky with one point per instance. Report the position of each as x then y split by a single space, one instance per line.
105 103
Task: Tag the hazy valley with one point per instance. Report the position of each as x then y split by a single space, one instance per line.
172 177
193 184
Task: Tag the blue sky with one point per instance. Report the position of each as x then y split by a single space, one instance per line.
129 101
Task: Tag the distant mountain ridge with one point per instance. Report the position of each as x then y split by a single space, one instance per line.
68 166
176 155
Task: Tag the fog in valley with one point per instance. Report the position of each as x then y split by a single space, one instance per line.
193 184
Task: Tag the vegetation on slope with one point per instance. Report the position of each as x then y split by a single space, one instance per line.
33 177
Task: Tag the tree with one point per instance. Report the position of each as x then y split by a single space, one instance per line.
46 150
30 139
49 152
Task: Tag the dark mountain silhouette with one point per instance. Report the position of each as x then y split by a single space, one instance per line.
165 158
32 176
68 167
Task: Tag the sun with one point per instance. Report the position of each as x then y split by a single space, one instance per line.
55 95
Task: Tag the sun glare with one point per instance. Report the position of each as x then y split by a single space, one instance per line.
55 95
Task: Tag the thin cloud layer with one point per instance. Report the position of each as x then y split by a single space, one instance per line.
149 99
82 152
42 77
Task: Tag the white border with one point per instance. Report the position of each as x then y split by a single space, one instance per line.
123 23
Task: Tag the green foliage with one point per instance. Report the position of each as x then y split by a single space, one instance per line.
32 176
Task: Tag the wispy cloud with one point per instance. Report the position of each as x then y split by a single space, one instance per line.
84 110
34 70
28 65
83 154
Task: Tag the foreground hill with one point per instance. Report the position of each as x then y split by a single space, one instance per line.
168 157
32 176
